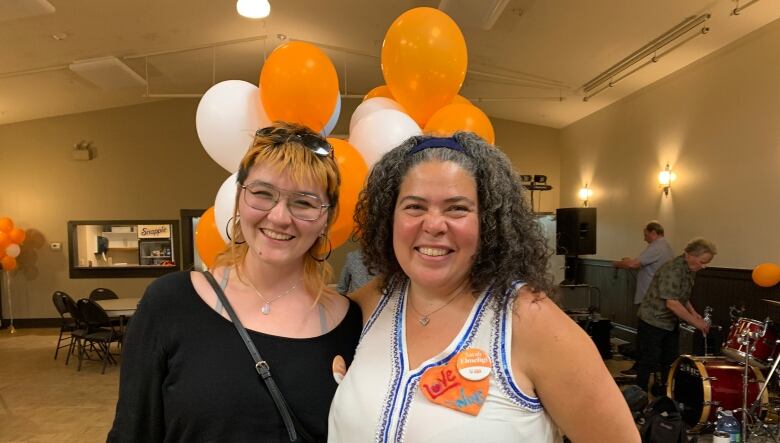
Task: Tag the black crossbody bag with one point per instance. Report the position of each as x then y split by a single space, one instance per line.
295 430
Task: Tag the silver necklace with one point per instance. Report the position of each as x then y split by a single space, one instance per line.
426 318
266 309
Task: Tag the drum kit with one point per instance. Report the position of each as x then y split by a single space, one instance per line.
738 381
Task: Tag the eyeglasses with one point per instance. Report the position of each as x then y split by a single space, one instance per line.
315 143
264 197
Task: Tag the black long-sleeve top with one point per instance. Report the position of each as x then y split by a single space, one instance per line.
187 376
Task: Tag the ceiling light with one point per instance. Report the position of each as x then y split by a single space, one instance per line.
59 36
253 8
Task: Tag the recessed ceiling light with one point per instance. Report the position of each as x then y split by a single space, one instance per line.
59 36
253 8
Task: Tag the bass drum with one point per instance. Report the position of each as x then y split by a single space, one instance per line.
699 385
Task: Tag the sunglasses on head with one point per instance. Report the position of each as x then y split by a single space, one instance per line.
313 142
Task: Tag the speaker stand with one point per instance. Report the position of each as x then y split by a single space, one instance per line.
571 270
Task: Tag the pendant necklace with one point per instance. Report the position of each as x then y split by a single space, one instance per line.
266 309
426 318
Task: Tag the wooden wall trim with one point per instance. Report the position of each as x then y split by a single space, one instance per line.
719 288
22 323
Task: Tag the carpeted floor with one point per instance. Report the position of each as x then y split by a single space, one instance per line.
43 400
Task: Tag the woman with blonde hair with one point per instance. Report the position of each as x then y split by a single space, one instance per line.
187 375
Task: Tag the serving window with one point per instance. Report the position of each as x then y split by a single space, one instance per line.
123 248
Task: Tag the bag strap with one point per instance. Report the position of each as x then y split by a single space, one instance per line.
262 368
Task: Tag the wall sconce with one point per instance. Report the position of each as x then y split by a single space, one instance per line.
585 194
665 179
82 151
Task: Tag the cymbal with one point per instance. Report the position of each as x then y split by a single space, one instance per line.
774 302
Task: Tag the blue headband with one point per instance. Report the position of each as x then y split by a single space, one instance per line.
438 142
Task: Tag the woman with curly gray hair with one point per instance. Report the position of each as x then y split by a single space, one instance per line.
461 342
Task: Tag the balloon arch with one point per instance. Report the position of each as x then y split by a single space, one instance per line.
424 62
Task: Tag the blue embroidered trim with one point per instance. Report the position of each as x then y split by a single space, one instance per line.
397 365
501 367
414 379
386 295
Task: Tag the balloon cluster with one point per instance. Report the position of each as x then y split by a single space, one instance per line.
424 64
298 83
424 61
11 239
766 275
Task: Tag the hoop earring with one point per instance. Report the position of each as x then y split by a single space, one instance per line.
330 249
227 229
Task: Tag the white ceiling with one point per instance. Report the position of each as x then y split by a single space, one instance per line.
530 66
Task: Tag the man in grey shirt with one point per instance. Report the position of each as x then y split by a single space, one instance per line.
354 274
655 254
648 262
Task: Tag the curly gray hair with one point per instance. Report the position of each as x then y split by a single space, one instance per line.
511 244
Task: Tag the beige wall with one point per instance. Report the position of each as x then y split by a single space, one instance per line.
717 123
533 150
149 165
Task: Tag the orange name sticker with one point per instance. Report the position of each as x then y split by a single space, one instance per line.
473 364
444 386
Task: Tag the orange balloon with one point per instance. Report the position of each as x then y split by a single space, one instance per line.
298 83
766 275
460 100
17 236
5 240
207 239
8 262
379 91
424 61
459 117
353 173
6 224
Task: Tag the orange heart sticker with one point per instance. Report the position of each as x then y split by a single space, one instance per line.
444 386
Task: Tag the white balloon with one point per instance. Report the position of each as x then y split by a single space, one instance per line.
372 105
381 131
334 118
228 115
13 250
224 206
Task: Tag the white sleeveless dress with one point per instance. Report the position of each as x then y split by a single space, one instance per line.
379 400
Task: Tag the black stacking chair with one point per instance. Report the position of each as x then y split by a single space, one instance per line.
98 333
68 324
77 334
105 294
102 294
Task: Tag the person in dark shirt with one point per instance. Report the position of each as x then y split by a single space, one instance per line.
186 374
666 303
